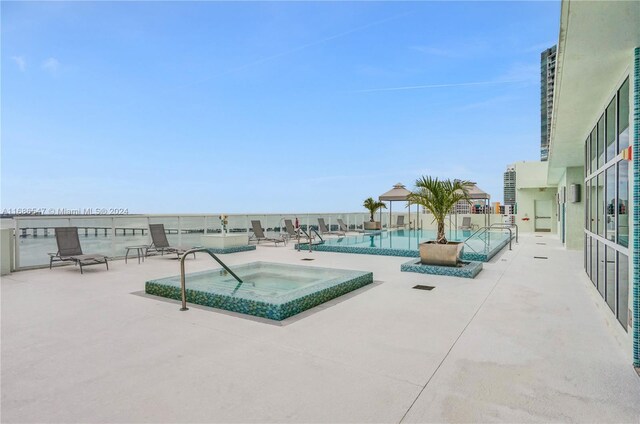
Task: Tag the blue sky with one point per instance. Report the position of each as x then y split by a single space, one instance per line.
263 107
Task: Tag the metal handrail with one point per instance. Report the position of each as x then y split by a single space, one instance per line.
486 229
183 289
299 231
506 225
309 237
476 232
318 234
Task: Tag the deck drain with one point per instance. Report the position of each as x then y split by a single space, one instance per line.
307 259
421 287
540 257
544 244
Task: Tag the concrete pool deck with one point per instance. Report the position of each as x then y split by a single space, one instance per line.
528 340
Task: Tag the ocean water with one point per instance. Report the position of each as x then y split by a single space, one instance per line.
33 250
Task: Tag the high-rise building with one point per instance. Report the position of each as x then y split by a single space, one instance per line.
510 185
547 83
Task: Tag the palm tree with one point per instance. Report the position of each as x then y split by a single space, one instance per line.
439 197
373 206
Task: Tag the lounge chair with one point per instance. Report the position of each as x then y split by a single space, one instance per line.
159 242
258 234
400 222
324 230
345 228
292 232
466 224
69 250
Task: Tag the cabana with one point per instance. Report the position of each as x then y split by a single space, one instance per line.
478 197
398 193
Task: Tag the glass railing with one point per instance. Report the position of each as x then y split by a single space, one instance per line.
487 239
34 236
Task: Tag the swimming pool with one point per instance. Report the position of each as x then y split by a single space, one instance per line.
269 290
481 247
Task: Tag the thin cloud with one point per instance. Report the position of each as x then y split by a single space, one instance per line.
333 178
301 47
491 102
21 62
436 51
527 72
427 86
51 65
540 47
457 50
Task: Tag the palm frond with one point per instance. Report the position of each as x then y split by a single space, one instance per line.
373 205
439 197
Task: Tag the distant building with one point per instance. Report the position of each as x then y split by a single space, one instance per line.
510 185
507 210
462 208
547 83
479 202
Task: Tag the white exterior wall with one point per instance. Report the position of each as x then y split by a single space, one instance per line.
6 251
574 212
531 185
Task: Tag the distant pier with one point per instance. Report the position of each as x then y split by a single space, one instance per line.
85 231
99 231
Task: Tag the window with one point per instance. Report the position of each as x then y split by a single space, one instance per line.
601 268
587 255
623 290
600 205
594 150
593 224
623 115
594 261
623 203
611 150
610 295
587 195
601 141
610 204
587 163
606 214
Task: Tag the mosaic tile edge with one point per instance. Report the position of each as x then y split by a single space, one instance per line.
469 270
258 308
636 209
407 253
236 249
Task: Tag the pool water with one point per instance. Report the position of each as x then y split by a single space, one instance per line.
481 246
269 290
398 239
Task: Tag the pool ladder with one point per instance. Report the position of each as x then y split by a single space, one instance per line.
183 288
309 236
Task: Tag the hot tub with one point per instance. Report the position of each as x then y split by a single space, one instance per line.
269 290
